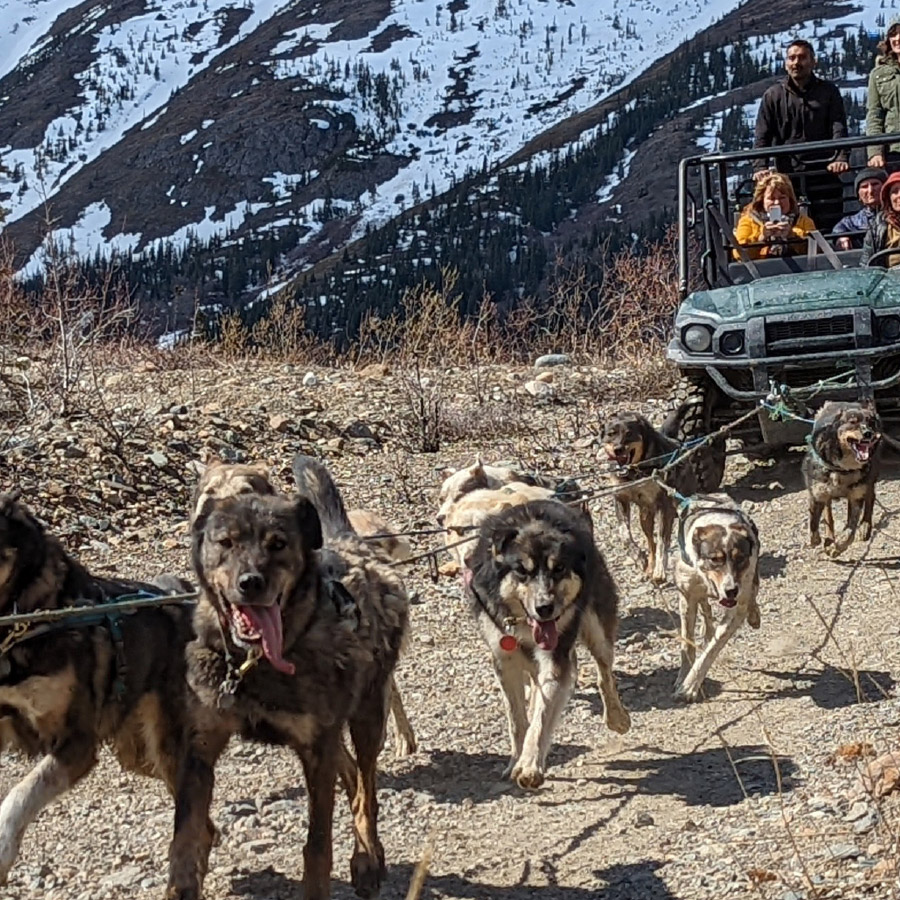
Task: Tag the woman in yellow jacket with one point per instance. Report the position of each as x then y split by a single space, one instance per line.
772 220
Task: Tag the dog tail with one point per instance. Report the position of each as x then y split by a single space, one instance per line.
314 482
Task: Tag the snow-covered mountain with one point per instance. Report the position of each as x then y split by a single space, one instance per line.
132 124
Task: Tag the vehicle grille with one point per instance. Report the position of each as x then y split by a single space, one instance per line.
811 335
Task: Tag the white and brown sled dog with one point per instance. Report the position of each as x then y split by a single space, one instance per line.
718 568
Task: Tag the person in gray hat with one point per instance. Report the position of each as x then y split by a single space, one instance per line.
868 189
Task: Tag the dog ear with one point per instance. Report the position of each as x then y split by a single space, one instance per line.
8 501
501 539
309 522
201 514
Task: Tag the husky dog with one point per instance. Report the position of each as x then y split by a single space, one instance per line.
638 450
842 460
274 661
221 480
537 583
718 565
67 687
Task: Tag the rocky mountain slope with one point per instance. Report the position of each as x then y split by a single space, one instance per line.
202 127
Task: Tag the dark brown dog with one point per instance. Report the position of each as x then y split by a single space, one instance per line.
221 480
842 461
68 687
537 584
274 661
638 450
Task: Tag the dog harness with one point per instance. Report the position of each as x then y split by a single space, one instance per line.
107 612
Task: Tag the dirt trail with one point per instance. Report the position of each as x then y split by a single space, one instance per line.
687 805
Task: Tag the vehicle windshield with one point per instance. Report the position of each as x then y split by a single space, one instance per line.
717 249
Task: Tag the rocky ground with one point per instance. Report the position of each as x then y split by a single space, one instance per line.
755 792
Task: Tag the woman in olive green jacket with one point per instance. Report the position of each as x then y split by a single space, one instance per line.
883 100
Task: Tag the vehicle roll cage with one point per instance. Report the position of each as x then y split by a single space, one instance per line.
713 200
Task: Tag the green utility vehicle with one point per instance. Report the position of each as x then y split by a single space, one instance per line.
802 328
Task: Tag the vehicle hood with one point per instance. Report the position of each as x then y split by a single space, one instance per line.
875 288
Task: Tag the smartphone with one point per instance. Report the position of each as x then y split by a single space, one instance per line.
775 214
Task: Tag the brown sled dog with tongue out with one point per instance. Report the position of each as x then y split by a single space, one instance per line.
536 584
275 661
843 459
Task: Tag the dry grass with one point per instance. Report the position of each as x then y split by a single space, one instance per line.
57 350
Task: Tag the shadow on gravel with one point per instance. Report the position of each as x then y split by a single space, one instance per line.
712 777
616 882
833 688
647 690
452 776
763 482
771 565
646 619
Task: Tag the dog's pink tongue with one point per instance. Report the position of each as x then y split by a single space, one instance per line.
862 451
545 634
266 622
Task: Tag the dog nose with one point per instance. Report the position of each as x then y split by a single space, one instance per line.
544 612
251 583
867 434
732 592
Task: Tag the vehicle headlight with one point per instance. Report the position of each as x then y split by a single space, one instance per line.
697 338
732 342
889 328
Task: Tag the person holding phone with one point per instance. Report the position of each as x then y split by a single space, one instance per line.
771 224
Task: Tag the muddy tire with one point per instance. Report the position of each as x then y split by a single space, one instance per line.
688 416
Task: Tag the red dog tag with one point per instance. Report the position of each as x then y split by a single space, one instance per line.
508 643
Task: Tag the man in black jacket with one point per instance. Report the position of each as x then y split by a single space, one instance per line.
804 108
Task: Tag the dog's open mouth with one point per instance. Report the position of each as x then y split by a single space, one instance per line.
251 625
727 602
545 634
621 456
862 450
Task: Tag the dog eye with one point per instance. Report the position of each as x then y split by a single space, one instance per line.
225 543
277 543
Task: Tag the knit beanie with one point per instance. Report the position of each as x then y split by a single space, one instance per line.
866 174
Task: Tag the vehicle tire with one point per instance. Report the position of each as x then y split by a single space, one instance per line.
689 415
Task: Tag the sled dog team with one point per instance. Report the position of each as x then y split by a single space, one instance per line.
300 621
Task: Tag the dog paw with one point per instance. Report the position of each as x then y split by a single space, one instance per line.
528 777
686 694
865 532
405 746
177 893
815 539
618 720
367 874
754 620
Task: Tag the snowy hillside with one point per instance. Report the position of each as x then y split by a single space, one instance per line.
450 87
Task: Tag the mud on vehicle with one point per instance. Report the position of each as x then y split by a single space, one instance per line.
814 327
